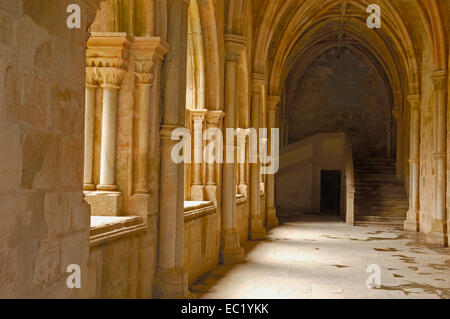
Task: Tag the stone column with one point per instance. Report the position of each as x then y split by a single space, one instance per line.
213 120
231 250
412 220
257 230
398 116
272 219
144 78
171 278
89 117
242 163
438 232
107 57
197 187
108 137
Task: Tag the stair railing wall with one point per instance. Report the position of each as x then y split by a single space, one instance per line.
350 185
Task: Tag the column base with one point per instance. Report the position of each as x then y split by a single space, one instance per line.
438 233
104 203
258 235
232 256
106 188
272 219
412 222
231 252
172 284
257 231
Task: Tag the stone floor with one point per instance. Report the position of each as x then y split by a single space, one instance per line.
321 257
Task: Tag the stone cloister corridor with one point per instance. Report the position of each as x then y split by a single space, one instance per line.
180 149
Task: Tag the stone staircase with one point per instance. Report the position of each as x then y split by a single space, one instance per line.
380 198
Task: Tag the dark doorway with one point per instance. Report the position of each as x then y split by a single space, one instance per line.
330 192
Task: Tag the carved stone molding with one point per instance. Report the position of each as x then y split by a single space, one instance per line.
198 115
234 46
258 81
439 79
153 47
108 49
414 101
147 51
274 101
107 58
91 80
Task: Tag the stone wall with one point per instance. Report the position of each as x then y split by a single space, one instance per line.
124 268
242 214
329 98
201 244
44 224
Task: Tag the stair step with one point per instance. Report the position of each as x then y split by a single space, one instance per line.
380 197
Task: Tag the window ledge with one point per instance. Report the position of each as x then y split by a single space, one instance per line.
108 228
194 210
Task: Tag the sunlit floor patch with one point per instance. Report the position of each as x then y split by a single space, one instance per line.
315 257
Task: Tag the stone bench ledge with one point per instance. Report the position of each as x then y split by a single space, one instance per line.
109 228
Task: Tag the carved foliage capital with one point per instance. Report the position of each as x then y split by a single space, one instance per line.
144 69
274 101
109 76
107 58
213 118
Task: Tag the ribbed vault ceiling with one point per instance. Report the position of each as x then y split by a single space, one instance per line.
293 33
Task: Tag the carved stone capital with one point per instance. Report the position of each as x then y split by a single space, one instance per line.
150 47
143 69
213 118
440 155
274 101
111 77
198 115
107 58
235 45
414 101
258 81
439 79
